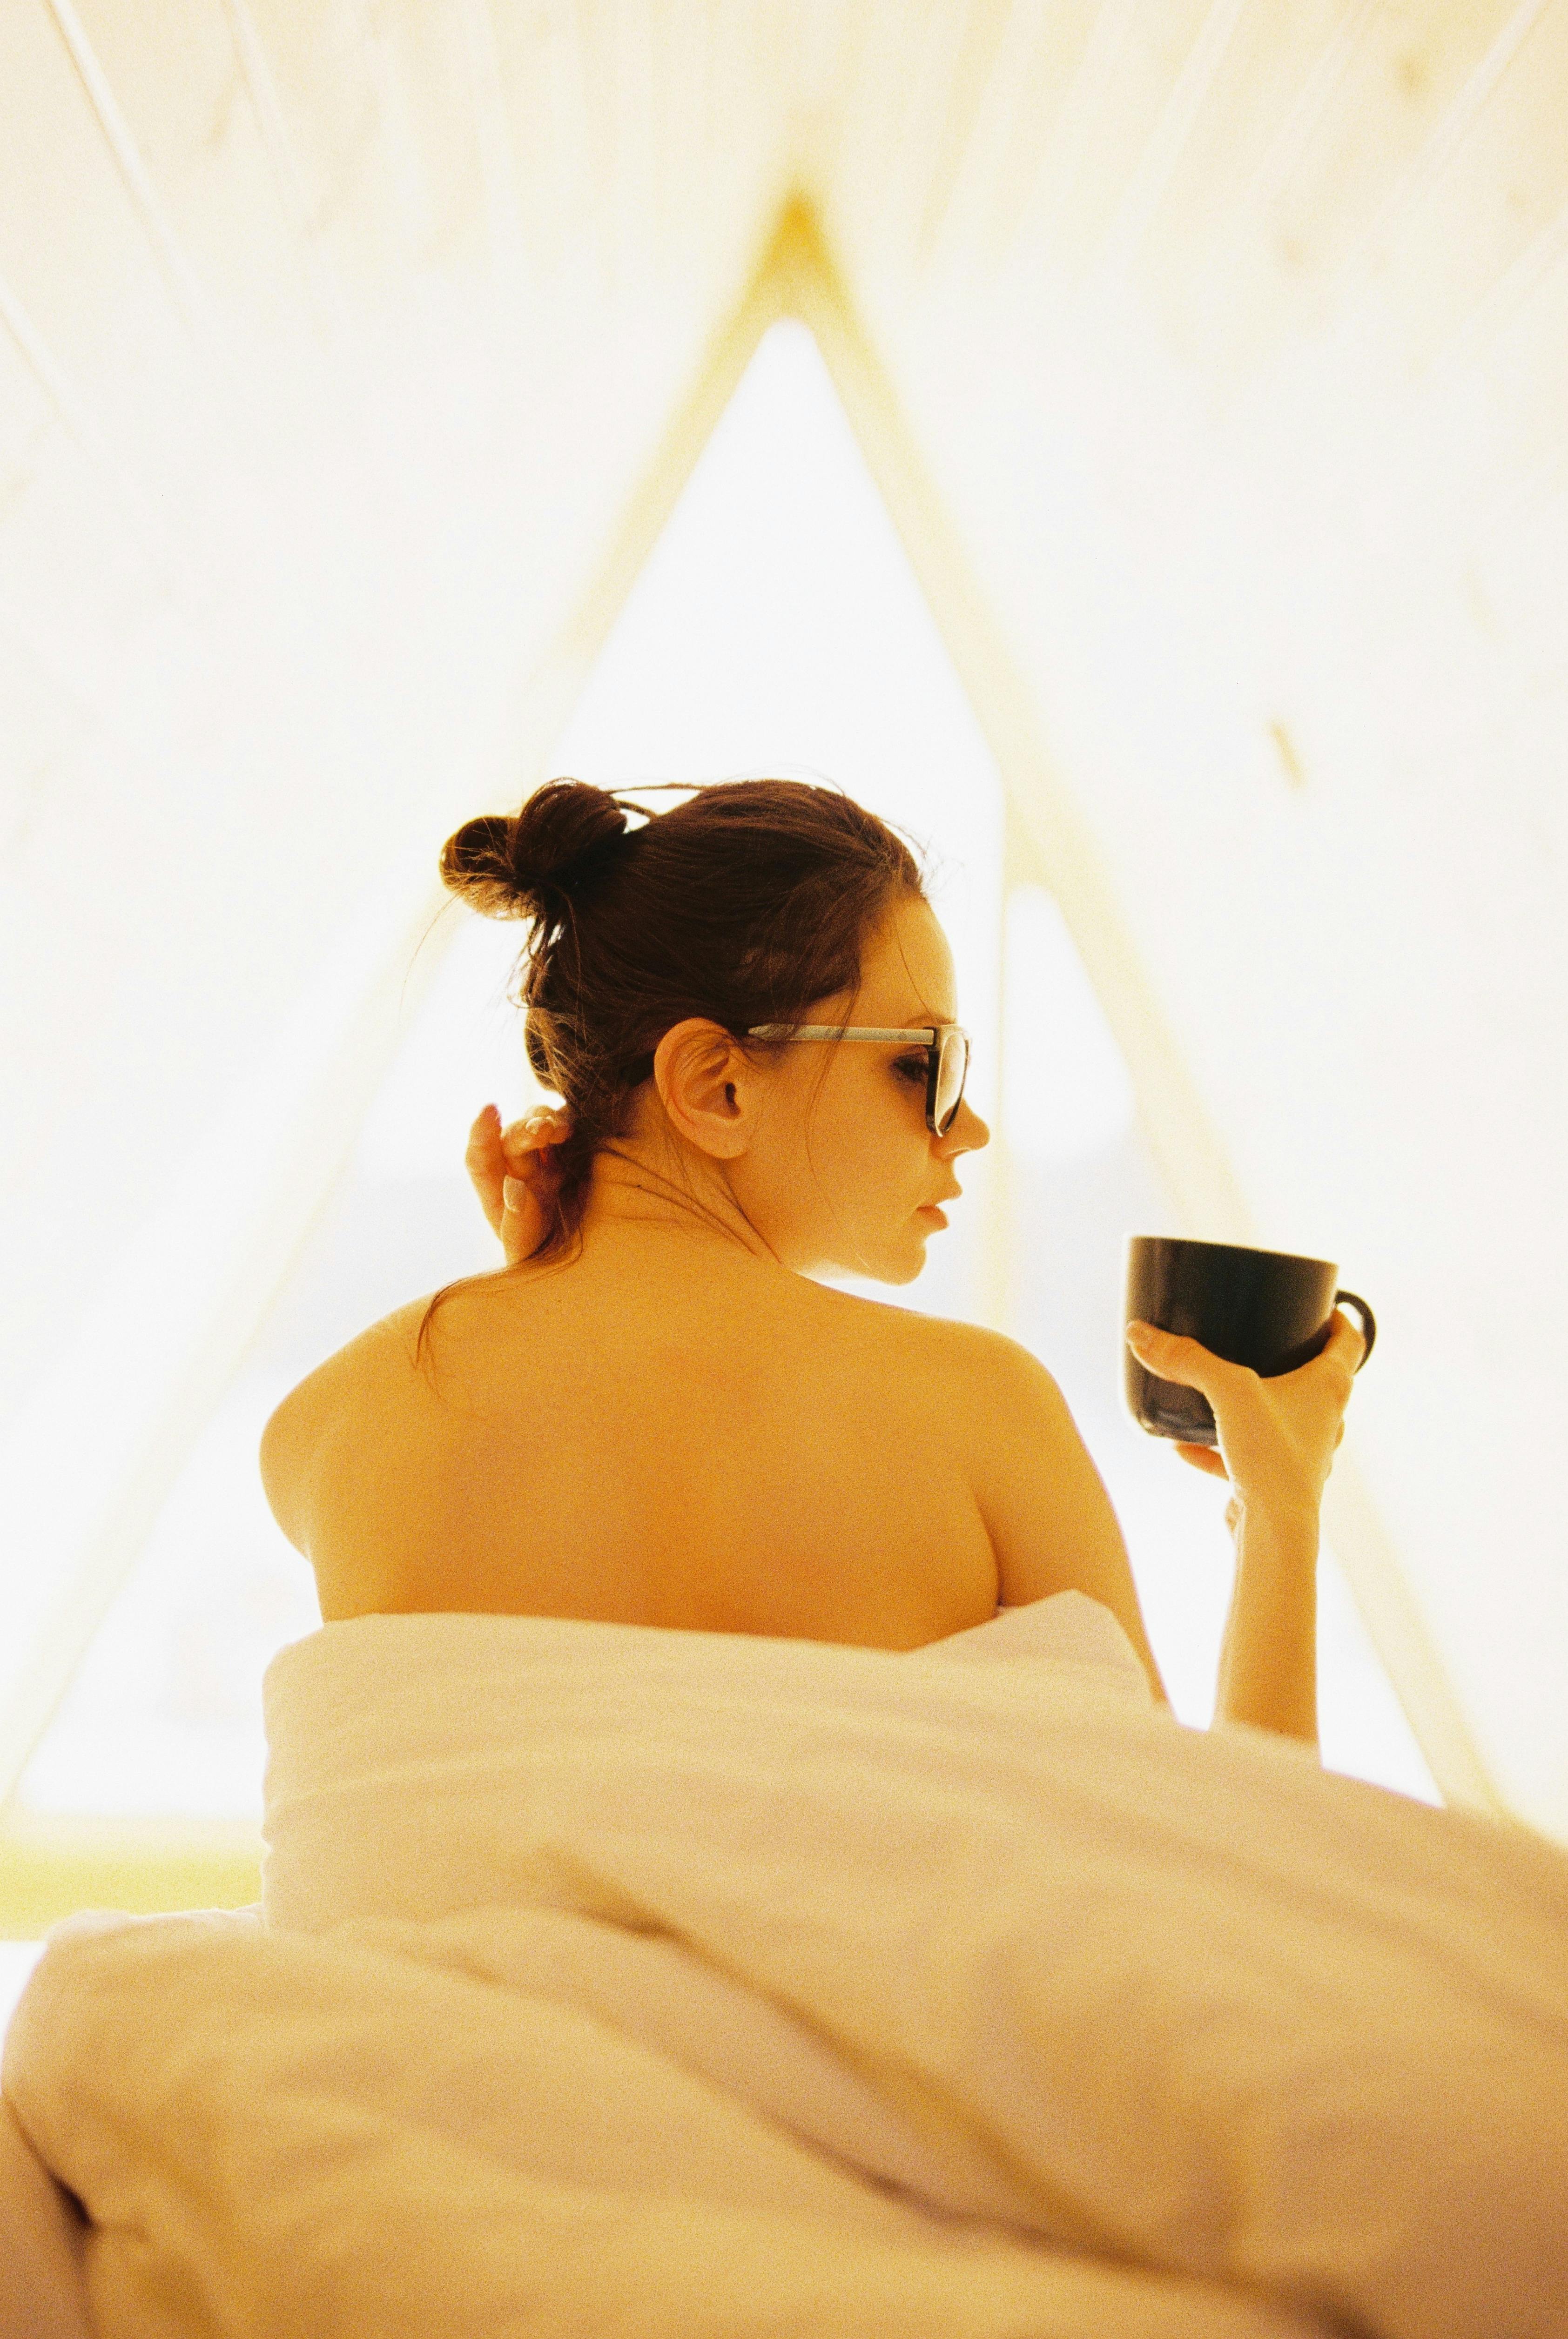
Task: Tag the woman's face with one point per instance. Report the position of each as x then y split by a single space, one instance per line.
825 1152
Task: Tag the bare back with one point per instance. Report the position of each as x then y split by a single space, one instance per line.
750 1452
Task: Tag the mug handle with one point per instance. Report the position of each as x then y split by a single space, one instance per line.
1368 1322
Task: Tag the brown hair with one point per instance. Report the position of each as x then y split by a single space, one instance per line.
743 905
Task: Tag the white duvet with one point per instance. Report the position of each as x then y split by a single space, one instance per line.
611 1981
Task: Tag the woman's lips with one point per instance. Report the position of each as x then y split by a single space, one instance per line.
932 1211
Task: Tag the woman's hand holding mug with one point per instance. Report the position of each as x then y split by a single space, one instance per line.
514 1176
1278 1434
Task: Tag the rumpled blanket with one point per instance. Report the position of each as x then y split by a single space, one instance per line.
613 1981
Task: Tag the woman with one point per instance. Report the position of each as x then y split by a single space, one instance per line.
655 1413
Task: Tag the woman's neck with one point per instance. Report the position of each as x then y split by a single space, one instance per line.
645 1200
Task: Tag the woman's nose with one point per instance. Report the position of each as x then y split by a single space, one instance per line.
967 1134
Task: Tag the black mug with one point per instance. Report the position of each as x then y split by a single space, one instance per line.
1265 1308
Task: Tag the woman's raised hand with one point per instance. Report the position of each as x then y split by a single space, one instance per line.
513 1174
1277 1437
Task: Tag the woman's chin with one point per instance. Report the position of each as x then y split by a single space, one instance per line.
908 1261
889 1264
886 1253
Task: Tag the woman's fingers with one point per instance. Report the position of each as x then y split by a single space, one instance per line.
486 1164
1276 1438
1205 1457
524 1141
1345 1340
1174 1358
516 1157
514 1176
528 1208
522 1220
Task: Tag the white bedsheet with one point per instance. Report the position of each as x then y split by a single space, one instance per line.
613 1981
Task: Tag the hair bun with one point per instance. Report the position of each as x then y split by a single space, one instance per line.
525 866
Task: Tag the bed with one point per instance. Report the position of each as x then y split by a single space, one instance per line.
610 1981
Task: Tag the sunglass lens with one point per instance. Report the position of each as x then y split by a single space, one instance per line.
952 1065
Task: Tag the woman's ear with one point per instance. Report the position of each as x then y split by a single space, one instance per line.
710 1088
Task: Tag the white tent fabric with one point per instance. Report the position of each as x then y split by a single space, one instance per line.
1212 360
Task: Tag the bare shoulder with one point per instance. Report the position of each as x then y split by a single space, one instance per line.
1022 1432
945 1335
1010 1389
373 1367
387 1345
993 1391
1050 1520
849 1318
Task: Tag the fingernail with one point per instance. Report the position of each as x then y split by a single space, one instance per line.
514 1192
1136 1331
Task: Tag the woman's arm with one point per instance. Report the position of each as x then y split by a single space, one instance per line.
1269 1658
1278 1440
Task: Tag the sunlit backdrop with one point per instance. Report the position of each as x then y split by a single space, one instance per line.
777 627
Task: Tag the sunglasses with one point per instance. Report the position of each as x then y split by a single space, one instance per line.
947 1058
